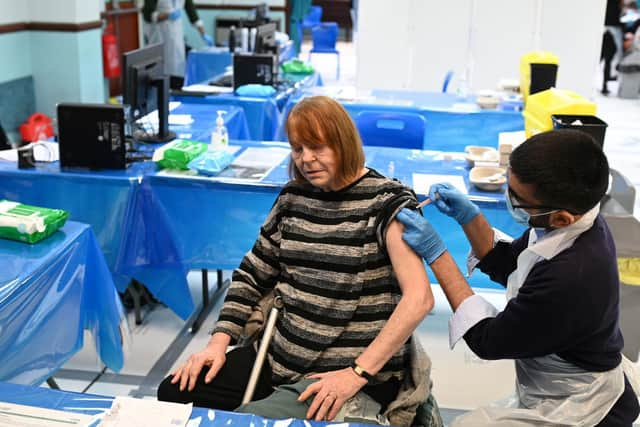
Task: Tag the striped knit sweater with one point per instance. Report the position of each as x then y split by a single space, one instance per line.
325 254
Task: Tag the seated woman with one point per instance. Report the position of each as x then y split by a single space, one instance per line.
353 291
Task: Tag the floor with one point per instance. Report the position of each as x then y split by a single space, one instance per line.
461 380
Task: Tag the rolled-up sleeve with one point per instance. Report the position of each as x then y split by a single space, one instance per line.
469 313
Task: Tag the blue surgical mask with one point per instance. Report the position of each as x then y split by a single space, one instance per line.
520 215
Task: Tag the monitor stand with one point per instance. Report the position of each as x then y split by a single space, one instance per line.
164 134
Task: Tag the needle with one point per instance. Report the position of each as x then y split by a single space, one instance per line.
426 201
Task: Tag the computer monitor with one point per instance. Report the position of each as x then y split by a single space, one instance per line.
266 39
146 88
91 135
254 68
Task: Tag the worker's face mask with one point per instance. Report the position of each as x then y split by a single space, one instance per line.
525 218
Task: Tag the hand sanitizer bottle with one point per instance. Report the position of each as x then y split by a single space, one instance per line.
220 136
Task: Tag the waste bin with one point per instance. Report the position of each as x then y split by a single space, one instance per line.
588 124
538 72
541 105
629 75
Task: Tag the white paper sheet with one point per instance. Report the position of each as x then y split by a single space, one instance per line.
128 411
253 164
422 182
207 88
13 415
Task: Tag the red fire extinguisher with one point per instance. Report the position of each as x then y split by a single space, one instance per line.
110 53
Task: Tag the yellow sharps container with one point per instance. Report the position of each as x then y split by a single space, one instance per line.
542 105
538 72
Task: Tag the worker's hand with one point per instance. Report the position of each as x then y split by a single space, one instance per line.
331 391
420 235
175 14
450 201
207 39
187 374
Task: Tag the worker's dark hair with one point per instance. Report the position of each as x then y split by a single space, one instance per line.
566 167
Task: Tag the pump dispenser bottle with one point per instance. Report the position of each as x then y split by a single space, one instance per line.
220 136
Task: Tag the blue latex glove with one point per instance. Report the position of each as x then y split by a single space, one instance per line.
176 14
207 39
420 235
450 201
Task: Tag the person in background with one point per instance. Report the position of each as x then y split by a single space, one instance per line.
611 51
353 294
561 321
299 9
163 24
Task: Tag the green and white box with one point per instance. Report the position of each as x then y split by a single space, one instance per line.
27 223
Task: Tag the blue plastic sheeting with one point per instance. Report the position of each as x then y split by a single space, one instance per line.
91 404
263 114
112 203
452 123
103 199
150 256
213 224
50 292
205 64
204 121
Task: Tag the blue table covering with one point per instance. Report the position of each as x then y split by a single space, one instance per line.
451 123
91 404
204 64
213 224
204 121
50 292
112 203
103 199
263 114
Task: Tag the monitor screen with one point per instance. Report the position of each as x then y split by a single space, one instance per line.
140 67
146 89
91 135
266 39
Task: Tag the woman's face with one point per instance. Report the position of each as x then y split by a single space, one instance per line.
317 163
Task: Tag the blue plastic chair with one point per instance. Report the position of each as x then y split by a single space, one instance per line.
401 130
313 18
324 36
447 80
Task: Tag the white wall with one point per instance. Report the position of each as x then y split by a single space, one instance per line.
67 11
411 44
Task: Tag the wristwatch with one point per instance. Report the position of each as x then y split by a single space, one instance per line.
361 372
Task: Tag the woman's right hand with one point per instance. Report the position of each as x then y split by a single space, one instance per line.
213 356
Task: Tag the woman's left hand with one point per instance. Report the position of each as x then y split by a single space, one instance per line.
332 390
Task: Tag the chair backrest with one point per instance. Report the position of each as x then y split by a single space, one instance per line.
390 129
324 37
313 17
447 80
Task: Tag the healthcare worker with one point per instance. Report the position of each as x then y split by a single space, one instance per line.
560 324
163 25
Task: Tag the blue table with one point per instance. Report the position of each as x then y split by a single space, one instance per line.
103 199
204 64
451 123
108 200
91 404
50 292
213 224
204 117
263 114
